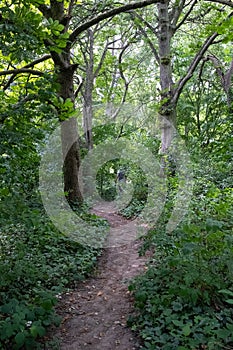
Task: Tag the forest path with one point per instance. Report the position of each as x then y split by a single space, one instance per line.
95 314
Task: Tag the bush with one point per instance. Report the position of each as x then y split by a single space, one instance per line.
36 264
184 300
179 298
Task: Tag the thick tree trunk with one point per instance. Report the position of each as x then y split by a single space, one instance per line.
64 72
71 156
167 111
69 136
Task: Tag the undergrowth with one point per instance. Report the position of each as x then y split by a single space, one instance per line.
37 263
184 299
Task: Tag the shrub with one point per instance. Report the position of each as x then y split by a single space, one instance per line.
36 264
184 300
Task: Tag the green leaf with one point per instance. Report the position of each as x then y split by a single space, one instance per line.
64 35
55 49
20 338
6 330
177 323
62 44
177 306
68 103
186 330
229 301
37 331
226 291
59 27
56 32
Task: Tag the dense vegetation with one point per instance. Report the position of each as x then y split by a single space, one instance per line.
184 300
127 71
36 261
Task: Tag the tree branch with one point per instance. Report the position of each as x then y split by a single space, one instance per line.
149 42
147 24
120 63
193 66
109 14
219 68
32 64
186 15
37 61
21 70
225 78
181 83
78 89
174 14
101 61
224 2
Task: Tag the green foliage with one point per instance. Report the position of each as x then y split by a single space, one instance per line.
106 180
19 29
107 184
184 299
136 178
140 191
22 323
179 296
224 29
37 262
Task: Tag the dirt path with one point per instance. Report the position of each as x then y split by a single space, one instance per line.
95 315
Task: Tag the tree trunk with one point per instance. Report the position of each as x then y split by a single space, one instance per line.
69 136
88 91
167 111
71 156
64 73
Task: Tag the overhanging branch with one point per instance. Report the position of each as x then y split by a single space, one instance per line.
193 66
21 70
37 61
109 14
29 65
149 42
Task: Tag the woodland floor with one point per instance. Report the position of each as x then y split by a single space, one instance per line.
95 314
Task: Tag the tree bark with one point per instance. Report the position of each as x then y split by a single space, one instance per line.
88 91
69 137
167 111
71 156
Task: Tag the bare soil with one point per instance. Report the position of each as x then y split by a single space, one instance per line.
95 314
